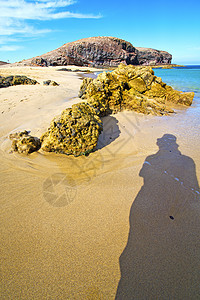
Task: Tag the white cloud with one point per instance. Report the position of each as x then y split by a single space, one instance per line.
10 26
5 40
17 17
43 10
9 48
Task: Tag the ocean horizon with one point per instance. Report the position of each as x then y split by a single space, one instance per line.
185 78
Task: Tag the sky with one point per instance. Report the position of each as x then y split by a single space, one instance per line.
30 28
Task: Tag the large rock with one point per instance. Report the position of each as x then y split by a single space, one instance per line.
98 52
75 132
133 88
95 51
15 80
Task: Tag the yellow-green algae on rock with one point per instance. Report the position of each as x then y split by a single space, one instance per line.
133 88
75 132
16 80
24 143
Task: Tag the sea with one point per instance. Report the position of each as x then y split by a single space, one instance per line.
186 79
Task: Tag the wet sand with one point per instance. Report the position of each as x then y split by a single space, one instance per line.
98 227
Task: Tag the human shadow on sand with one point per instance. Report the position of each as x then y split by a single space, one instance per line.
162 257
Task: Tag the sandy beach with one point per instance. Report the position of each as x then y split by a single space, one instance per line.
121 223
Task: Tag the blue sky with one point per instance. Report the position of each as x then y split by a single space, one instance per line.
29 28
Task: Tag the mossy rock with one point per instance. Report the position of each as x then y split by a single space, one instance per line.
16 80
138 84
50 82
131 87
84 86
75 132
156 91
24 143
184 98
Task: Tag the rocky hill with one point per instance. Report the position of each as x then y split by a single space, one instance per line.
148 56
3 63
100 51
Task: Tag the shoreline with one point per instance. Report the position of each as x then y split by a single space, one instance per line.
71 246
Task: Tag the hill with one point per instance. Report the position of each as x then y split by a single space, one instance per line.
100 52
3 63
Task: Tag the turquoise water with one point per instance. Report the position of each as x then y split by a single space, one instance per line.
187 122
186 79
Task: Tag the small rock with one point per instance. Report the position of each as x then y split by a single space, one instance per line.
39 62
50 82
47 82
24 143
54 83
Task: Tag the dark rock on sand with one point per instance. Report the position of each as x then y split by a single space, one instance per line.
15 80
100 52
39 61
75 132
132 88
75 70
50 82
24 143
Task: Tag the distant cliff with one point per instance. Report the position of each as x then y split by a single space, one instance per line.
148 56
99 52
3 63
